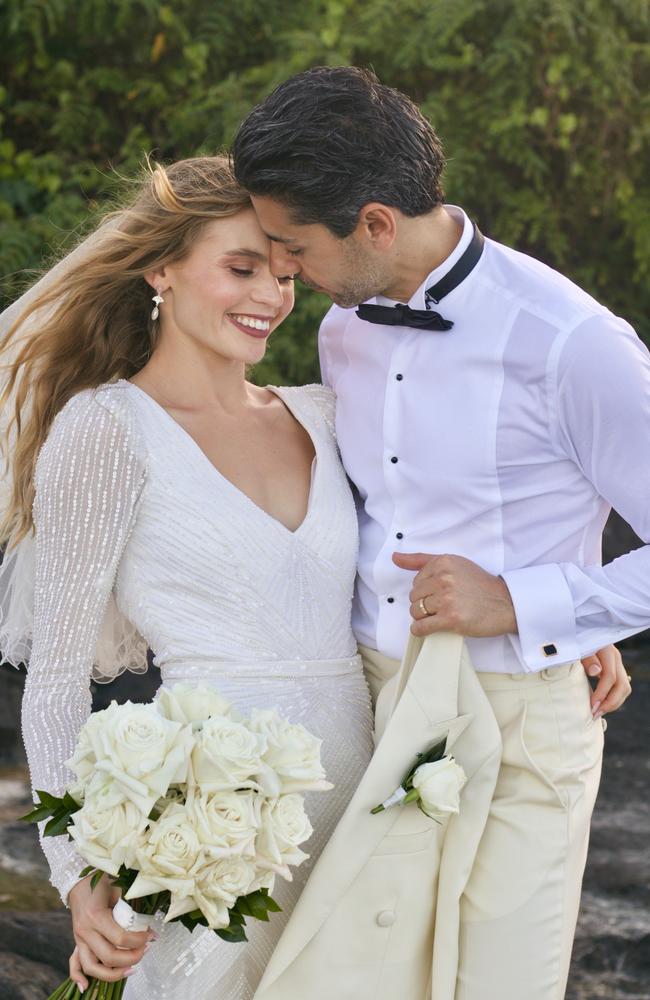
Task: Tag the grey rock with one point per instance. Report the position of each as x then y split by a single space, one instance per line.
12 681
20 851
22 979
43 938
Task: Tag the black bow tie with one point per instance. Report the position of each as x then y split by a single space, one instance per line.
428 319
399 315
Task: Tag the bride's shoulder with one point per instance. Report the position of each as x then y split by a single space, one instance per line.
94 404
102 415
319 397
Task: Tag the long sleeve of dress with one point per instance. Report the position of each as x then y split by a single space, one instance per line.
89 479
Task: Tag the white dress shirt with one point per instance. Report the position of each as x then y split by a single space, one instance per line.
506 440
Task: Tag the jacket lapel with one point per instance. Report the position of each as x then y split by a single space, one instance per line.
424 707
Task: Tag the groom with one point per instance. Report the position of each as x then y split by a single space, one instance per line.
489 413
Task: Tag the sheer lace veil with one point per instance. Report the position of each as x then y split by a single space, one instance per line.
119 647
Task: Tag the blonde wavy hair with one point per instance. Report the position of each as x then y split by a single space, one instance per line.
91 322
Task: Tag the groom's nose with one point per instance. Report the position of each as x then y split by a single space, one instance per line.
282 262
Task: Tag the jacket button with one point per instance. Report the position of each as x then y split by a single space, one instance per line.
386 918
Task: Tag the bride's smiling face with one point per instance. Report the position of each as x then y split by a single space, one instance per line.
222 295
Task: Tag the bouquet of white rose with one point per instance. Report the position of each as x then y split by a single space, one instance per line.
191 810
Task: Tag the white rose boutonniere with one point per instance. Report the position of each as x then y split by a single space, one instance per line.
434 781
439 785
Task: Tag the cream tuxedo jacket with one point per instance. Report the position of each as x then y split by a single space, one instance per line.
379 915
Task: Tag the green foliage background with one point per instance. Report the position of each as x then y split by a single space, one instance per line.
543 105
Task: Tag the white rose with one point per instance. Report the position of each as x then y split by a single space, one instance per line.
226 822
293 755
166 856
84 758
78 791
219 884
103 791
227 755
263 880
106 832
188 703
142 752
285 824
439 785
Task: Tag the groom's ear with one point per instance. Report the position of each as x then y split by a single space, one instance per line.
378 225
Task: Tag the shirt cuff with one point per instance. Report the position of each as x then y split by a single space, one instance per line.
545 615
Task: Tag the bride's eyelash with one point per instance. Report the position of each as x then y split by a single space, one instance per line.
294 253
245 273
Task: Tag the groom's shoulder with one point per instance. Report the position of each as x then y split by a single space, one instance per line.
335 320
537 288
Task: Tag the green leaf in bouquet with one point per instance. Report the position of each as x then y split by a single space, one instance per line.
192 920
233 934
125 879
256 904
47 806
57 825
70 804
252 908
95 879
271 904
86 871
37 814
243 907
47 799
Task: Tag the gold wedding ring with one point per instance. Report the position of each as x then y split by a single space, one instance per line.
423 608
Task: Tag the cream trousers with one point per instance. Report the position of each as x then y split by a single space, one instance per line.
520 906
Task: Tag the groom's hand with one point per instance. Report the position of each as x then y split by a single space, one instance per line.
453 594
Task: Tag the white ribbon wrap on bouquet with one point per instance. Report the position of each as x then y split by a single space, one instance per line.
129 920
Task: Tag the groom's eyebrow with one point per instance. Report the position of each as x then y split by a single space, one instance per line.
280 239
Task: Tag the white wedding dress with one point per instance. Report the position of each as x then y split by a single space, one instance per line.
140 541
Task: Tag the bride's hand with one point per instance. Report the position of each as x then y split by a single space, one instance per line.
103 948
613 685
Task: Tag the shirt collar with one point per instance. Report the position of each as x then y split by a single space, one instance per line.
417 299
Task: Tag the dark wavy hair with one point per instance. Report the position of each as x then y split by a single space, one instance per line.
329 140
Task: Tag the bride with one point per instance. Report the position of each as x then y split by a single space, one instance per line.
158 499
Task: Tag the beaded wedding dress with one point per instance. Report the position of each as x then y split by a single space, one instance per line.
140 541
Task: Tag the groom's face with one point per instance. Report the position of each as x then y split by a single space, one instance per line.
344 269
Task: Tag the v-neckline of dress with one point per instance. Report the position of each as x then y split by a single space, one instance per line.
236 490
